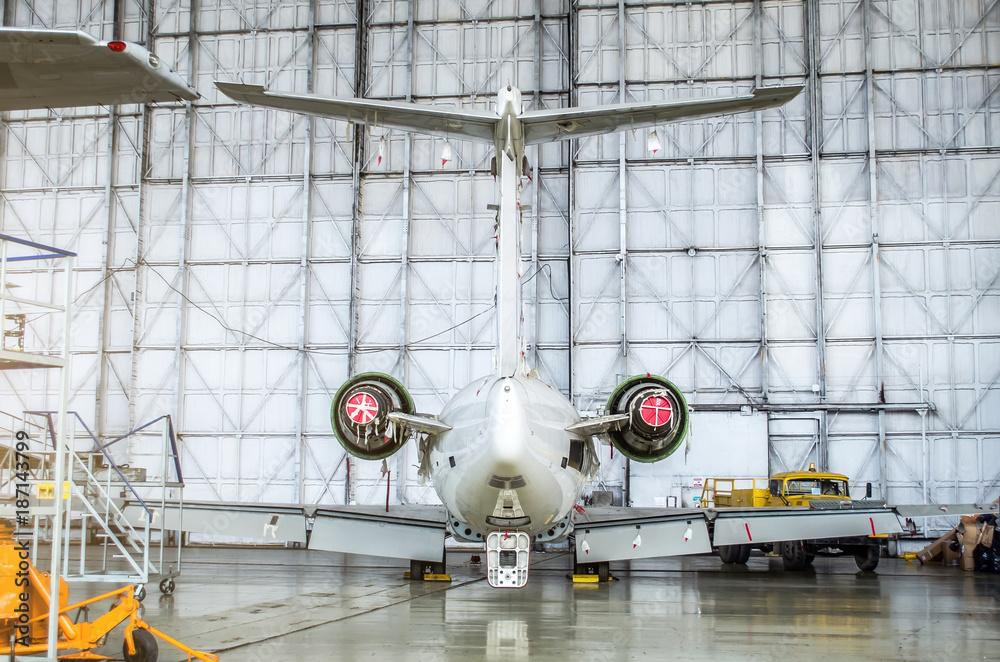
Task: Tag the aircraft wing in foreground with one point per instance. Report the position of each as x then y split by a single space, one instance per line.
63 68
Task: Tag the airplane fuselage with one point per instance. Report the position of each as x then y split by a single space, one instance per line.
508 461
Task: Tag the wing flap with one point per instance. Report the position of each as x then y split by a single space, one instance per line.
439 121
563 124
418 536
752 526
667 534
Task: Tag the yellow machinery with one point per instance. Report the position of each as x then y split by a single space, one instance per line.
24 610
810 489
789 488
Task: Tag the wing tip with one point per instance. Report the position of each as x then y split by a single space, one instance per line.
239 91
778 94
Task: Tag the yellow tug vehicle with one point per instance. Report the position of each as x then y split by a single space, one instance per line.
818 490
24 615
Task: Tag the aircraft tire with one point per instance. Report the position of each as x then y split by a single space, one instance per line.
734 554
868 560
793 554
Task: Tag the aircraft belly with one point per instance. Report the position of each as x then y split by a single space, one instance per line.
507 444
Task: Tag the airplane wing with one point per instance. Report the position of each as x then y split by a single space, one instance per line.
404 532
63 68
611 533
476 125
542 126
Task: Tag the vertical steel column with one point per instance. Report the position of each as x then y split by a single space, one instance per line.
758 18
815 135
883 451
8 19
301 399
536 197
404 260
622 190
179 350
62 424
360 89
109 248
144 165
623 231
573 66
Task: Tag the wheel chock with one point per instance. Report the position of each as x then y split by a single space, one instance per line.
588 579
430 577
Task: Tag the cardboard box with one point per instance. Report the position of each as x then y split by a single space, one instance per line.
936 550
949 555
987 538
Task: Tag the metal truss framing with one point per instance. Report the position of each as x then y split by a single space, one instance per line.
833 264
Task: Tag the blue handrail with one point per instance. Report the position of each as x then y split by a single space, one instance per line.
56 252
103 447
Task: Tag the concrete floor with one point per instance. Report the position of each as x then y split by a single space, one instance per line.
277 604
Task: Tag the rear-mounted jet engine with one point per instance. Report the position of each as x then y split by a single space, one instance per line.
658 418
360 415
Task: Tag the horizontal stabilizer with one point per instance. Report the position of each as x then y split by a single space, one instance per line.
541 126
477 125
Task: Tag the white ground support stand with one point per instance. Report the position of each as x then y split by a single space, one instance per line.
507 558
16 354
128 551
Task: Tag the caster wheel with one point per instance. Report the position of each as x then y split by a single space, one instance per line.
167 586
140 592
146 648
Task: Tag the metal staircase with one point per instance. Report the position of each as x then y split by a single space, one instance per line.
98 489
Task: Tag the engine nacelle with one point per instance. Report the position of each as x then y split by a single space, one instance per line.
360 415
658 418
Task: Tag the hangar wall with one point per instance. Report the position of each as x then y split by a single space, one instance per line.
833 264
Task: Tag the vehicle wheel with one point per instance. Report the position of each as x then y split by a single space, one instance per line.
146 648
868 560
167 586
734 554
793 553
603 572
810 558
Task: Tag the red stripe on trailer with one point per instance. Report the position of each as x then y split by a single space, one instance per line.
746 525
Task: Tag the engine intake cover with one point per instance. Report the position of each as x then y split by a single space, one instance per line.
658 418
360 415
